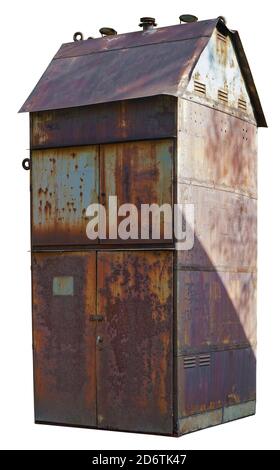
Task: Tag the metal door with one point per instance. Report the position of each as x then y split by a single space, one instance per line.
115 371
64 297
137 173
134 352
65 182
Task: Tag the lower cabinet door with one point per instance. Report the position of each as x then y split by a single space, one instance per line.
134 341
64 297
102 334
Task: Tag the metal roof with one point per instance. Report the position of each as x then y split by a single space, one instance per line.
132 65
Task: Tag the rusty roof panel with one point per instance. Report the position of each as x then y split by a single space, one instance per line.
115 75
138 38
131 65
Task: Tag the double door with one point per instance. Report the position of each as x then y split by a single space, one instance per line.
66 181
102 339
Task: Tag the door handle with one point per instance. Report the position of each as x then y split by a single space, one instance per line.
96 317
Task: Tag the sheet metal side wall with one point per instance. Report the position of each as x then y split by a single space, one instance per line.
216 299
146 118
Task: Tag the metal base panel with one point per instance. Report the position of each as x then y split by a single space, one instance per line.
215 417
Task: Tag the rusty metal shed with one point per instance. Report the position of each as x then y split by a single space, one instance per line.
139 335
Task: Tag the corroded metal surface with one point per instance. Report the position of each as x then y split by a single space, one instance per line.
225 230
153 118
102 125
239 411
216 149
155 62
138 173
64 183
152 63
214 417
134 360
218 73
64 339
229 379
200 421
217 172
216 280
215 310
97 78
139 38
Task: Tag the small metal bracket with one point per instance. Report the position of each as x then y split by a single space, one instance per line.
26 163
78 36
99 340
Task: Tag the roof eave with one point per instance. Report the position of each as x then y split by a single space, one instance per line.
248 78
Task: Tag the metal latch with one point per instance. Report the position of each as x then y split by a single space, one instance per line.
99 340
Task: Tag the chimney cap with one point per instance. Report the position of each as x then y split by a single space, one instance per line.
105 31
147 21
188 18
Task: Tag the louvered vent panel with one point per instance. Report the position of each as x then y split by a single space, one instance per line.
199 87
221 37
242 104
189 362
204 360
223 96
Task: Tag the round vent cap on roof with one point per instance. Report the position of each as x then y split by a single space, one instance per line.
107 31
188 18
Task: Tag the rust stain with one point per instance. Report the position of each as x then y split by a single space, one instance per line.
138 173
69 188
64 346
135 393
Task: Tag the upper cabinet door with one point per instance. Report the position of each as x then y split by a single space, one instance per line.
65 182
137 173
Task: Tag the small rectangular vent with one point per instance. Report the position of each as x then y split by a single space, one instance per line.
223 96
221 37
242 104
189 362
199 87
204 360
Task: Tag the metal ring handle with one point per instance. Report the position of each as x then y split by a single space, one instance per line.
26 163
78 36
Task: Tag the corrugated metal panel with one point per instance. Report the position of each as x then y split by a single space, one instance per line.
135 357
64 339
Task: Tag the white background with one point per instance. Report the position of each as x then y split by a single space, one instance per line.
31 32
